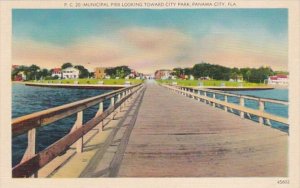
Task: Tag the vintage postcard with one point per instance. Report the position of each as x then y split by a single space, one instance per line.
149 93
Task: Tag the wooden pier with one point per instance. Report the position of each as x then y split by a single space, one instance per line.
163 133
175 136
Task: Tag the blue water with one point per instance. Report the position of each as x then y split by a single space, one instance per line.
276 109
28 99
279 94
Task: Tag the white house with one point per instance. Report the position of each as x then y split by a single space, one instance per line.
278 79
56 72
70 72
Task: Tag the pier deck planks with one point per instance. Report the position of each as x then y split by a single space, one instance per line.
175 136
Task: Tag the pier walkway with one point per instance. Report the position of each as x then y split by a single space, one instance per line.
175 136
160 133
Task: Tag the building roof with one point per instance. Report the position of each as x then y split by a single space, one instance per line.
278 76
56 70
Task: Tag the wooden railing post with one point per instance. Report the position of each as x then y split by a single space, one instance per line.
130 91
112 101
122 96
31 147
77 125
199 93
205 94
119 98
268 122
226 100
194 92
100 111
242 103
214 97
261 108
126 93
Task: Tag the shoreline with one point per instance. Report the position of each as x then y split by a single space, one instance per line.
231 88
77 86
116 86
240 88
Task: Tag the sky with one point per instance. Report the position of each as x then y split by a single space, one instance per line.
147 40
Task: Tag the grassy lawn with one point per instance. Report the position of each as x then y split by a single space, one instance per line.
91 81
210 83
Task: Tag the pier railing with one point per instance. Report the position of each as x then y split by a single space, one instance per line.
32 161
264 117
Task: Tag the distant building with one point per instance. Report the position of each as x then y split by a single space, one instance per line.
70 72
133 74
279 79
163 74
20 76
56 72
100 72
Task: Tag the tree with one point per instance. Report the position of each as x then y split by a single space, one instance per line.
91 74
120 71
187 71
83 72
248 74
44 73
177 72
32 73
260 74
235 73
66 65
214 71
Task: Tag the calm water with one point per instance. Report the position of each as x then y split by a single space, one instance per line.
279 94
276 109
27 99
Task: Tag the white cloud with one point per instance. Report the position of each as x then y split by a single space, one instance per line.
149 49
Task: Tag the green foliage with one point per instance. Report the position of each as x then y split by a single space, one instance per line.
120 71
83 72
66 65
218 72
48 78
260 74
32 72
213 71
